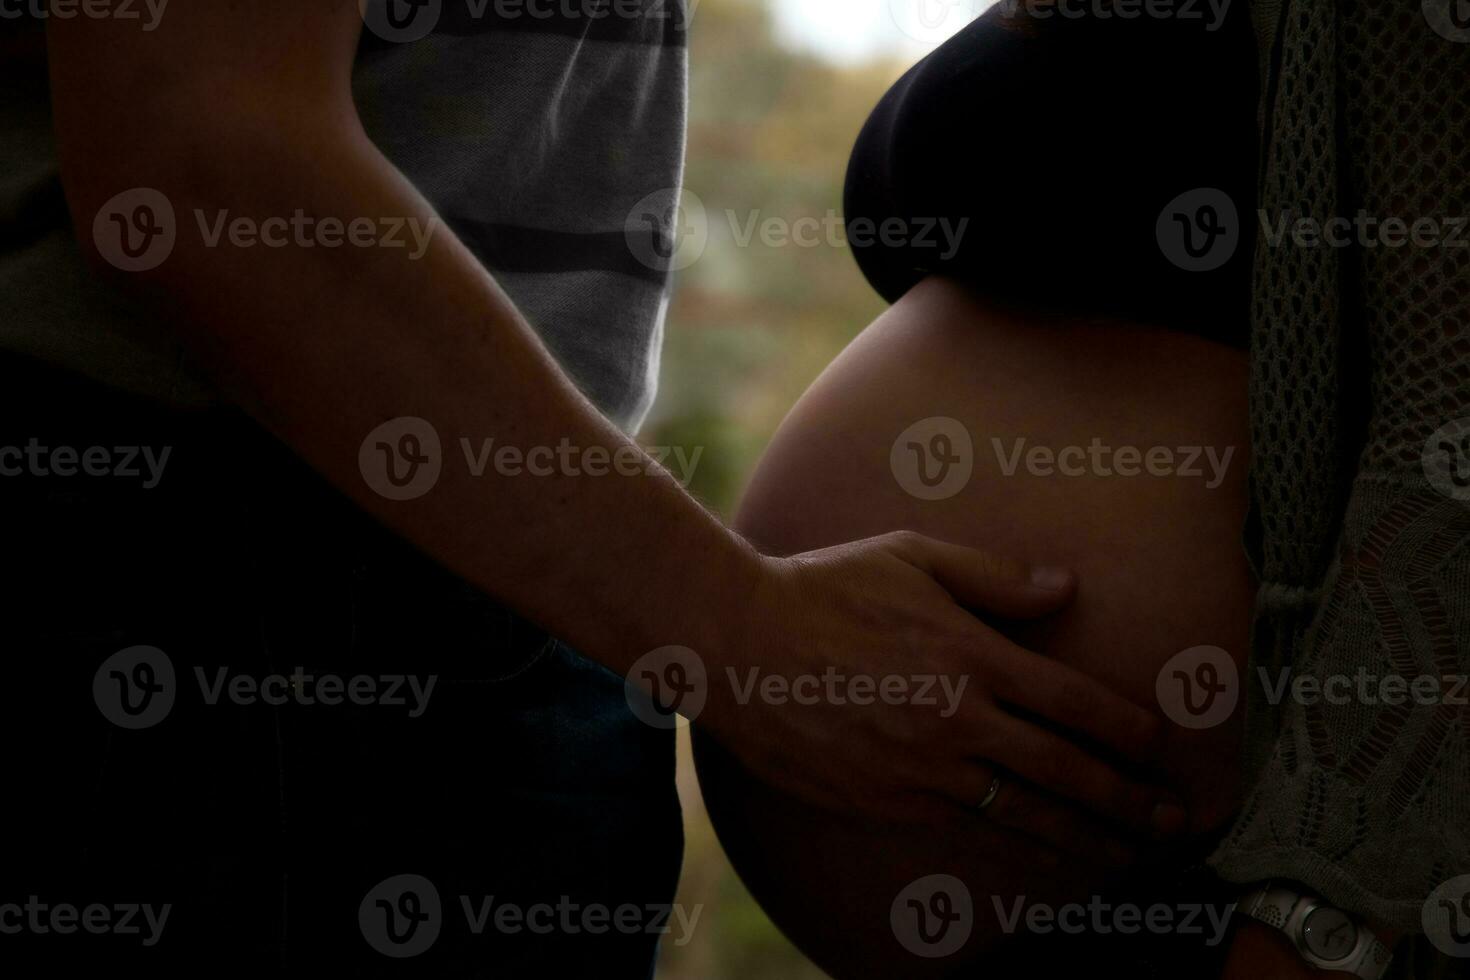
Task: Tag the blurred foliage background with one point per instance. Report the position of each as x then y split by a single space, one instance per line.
750 327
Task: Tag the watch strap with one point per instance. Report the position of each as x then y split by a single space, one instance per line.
1283 907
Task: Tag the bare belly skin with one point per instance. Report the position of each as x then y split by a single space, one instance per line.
1158 557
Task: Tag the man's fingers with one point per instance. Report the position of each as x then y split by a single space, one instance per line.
1055 824
989 583
1056 765
1069 698
1004 587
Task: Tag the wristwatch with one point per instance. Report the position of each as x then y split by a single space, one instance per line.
1323 934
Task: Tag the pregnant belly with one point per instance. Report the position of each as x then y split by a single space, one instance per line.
1114 449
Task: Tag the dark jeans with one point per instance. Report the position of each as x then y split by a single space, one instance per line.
523 781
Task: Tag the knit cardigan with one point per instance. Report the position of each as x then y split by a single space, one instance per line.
1359 526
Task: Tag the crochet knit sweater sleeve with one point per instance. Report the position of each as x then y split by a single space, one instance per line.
1360 424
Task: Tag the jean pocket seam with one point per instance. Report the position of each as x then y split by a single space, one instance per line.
536 658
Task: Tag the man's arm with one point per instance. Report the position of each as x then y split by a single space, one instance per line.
248 107
322 345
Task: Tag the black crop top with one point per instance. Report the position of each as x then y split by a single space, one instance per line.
1102 166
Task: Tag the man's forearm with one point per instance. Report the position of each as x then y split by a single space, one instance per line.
325 344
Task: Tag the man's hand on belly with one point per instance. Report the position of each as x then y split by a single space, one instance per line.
914 754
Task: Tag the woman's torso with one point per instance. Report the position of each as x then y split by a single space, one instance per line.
1158 557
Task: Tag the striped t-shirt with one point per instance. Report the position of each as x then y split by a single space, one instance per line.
548 134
